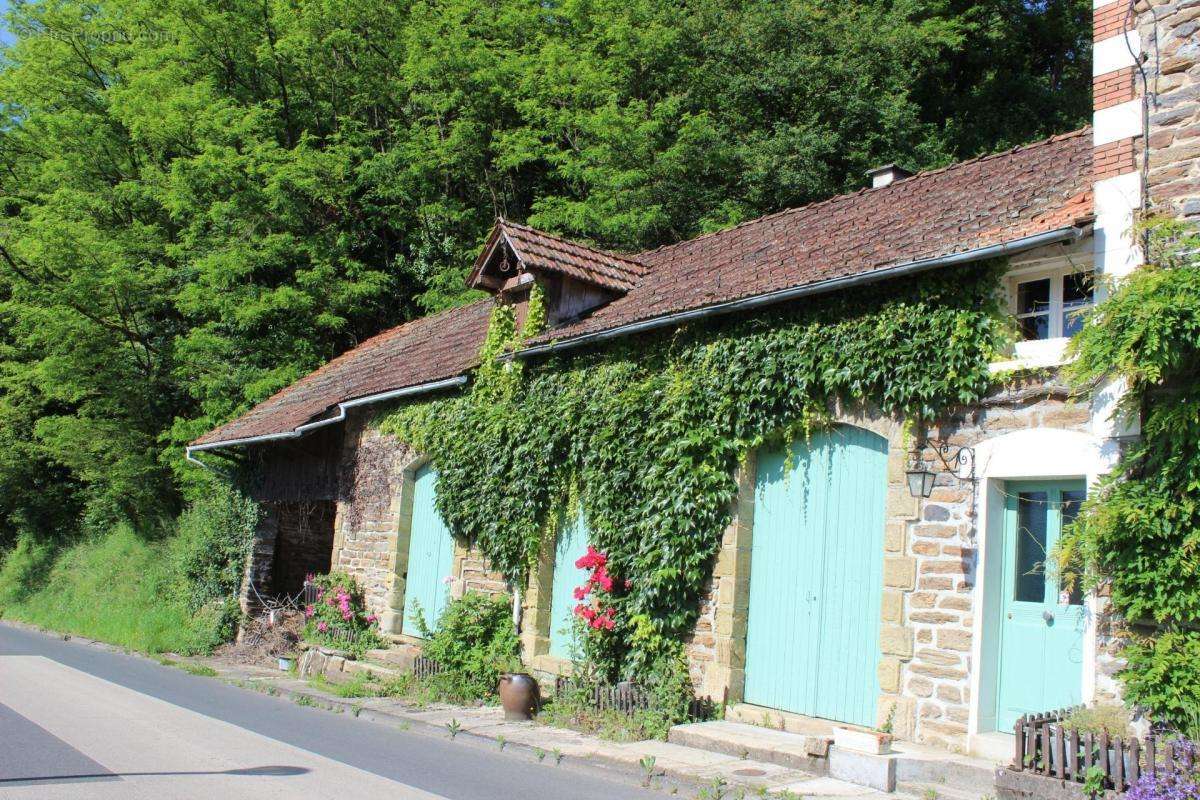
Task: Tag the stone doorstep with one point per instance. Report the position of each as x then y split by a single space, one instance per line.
795 750
910 768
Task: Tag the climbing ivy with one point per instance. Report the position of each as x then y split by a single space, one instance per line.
1138 535
650 431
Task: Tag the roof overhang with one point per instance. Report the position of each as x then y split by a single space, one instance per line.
1068 234
339 416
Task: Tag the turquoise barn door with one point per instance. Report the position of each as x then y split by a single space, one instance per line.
1041 626
812 642
430 555
569 547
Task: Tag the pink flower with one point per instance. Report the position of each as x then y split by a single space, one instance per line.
322 626
581 592
346 615
585 612
372 619
309 611
628 583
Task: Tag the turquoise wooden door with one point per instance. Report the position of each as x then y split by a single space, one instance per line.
1041 627
816 571
568 548
430 555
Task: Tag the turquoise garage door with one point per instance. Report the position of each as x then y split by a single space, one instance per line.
430 555
816 576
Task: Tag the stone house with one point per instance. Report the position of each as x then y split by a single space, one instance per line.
917 587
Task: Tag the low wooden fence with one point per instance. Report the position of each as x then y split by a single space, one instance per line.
628 698
426 667
1045 747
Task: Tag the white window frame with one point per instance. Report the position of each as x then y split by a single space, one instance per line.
1056 310
1050 351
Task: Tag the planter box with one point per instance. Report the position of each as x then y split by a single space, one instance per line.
859 741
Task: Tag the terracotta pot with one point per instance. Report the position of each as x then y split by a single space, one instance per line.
518 695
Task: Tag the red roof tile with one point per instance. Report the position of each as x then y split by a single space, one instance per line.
424 350
544 251
986 201
973 204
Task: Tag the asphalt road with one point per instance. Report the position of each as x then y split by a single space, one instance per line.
78 721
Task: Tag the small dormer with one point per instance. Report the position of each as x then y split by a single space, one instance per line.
574 278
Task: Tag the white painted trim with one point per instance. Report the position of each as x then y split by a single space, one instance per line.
1116 253
1034 355
1102 3
1115 52
1036 453
1112 124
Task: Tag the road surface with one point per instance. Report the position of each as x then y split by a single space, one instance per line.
78 721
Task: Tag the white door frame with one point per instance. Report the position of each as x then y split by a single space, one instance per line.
1032 454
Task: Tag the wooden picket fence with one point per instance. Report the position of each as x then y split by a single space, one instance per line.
1044 747
426 667
628 698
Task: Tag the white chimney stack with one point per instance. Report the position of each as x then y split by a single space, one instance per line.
886 175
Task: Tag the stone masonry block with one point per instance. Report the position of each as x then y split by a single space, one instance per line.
899 572
895 640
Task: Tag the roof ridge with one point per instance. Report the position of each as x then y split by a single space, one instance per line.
1058 137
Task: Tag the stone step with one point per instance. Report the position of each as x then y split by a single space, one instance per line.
795 750
927 767
942 791
398 656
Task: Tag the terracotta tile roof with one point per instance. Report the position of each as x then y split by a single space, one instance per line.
545 251
989 200
424 350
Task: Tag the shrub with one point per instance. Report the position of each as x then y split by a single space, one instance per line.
1109 718
340 618
25 569
474 642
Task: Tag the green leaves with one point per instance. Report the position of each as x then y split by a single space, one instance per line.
648 433
1139 533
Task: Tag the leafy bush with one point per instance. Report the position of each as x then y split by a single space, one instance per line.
1139 533
24 569
340 618
475 643
1110 718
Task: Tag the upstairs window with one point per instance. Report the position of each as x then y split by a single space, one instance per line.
1051 306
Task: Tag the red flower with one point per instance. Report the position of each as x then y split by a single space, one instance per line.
585 612
592 559
601 578
581 592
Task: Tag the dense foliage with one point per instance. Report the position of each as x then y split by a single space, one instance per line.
204 201
1139 534
650 432
474 641
177 593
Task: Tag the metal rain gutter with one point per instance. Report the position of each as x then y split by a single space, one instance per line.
300 430
1072 233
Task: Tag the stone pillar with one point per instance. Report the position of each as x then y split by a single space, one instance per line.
260 561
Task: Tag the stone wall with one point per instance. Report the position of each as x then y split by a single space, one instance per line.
1170 37
931 558
940 550
374 514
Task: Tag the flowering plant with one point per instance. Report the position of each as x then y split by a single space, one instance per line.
1175 780
601 612
339 617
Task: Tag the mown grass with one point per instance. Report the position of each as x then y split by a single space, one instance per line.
118 588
